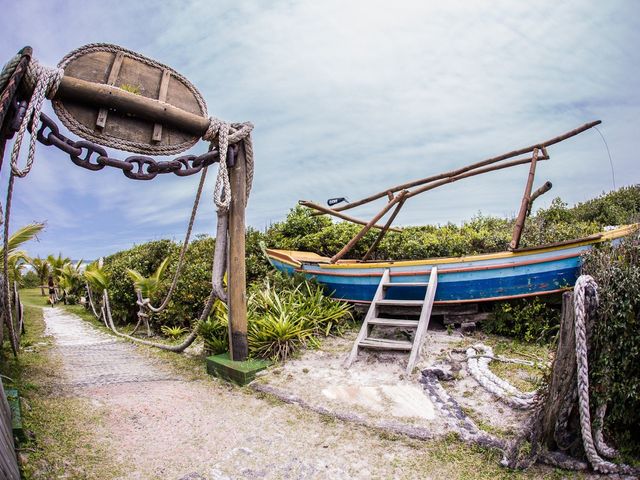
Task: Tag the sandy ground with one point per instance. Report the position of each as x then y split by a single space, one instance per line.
158 425
375 390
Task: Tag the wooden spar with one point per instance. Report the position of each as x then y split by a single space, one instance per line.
546 186
330 211
367 227
101 95
237 296
383 232
472 173
524 205
473 166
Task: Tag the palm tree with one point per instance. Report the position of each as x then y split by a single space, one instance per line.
146 288
70 278
15 256
96 276
57 263
42 269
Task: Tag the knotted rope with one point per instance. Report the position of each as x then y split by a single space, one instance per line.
225 134
478 364
579 306
45 82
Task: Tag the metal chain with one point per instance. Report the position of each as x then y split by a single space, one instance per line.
137 167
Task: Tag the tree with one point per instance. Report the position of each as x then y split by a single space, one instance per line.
42 270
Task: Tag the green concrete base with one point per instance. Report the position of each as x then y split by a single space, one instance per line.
237 372
16 413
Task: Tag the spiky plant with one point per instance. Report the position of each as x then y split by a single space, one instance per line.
148 286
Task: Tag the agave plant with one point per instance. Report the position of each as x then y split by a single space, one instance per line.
173 332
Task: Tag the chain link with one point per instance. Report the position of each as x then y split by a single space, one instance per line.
138 167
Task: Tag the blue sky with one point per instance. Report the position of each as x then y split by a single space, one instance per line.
347 99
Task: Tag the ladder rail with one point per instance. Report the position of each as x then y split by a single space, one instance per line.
371 313
425 317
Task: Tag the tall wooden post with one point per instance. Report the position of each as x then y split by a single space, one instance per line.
237 295
524 205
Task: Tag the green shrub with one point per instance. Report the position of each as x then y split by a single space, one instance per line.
214 331
615 356
173 332
30 279
71 299
525 319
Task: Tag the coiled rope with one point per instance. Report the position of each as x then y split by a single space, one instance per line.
478 358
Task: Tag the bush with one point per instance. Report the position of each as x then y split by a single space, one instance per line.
30 280
71 299
615 355
525 319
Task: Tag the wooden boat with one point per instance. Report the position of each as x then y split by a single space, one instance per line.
495 276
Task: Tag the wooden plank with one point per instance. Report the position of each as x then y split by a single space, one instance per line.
406 284
162 96
394 322
371 313
403 303
425 316
101 121
237 296
386 344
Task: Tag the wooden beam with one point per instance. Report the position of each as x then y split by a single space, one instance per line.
471 173
546 186
100 95
330 211
101 121
524 204
237 291
383 232
514 153
366 228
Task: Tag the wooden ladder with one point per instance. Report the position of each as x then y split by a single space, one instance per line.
363 339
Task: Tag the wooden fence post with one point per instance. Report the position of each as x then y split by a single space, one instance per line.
238 348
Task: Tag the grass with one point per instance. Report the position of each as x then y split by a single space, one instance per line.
59 445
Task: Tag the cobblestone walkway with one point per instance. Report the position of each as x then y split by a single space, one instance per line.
93 358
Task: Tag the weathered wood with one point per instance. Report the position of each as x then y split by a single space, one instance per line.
113 76
78 91
505 156
384 230
162 96
546 186
237 295
322 209
470 173
423 321
8 462
366 228
524 204
561 398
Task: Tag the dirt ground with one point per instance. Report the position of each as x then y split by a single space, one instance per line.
156 423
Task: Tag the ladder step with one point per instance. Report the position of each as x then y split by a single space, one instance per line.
385 344
394 322
403 303
405 284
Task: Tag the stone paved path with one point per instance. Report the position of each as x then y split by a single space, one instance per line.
159 426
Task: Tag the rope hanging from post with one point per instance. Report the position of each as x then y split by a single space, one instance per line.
590 448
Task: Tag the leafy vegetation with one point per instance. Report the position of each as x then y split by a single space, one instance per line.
615 377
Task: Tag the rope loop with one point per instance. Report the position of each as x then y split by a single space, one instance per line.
45 82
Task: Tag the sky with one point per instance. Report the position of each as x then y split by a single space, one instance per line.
348 98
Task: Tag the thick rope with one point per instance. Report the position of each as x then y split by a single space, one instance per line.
596 461
478 365
8 70
46 82
183 250
225 134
